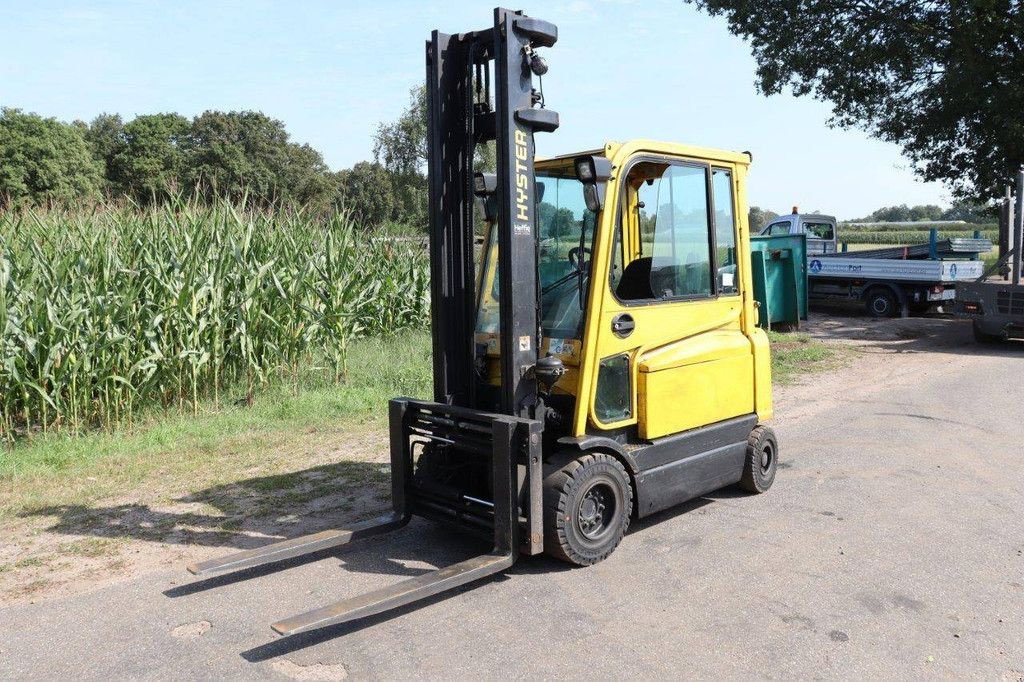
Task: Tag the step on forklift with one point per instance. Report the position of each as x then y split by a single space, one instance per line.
599 359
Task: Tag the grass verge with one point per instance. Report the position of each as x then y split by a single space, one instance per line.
182 450
794 355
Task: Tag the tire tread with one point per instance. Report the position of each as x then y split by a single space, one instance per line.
558 487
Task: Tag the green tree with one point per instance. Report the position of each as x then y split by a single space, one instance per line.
401 145
236 154
305 179
759 217
970 212
904 213
148 162
367 192
940 78
248 154
559 222
44 161
105 135
925 212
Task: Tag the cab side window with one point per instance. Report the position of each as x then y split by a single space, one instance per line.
725 232
673 257
779 228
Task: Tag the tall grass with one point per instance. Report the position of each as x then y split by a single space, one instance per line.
105 312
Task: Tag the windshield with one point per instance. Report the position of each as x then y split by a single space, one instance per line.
562 220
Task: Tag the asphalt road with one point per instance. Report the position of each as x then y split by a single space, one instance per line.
890 546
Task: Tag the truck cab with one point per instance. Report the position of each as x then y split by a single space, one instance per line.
820 230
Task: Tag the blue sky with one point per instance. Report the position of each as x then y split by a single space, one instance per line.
332 70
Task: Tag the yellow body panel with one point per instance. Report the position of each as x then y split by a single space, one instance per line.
692 362
694 382
762 375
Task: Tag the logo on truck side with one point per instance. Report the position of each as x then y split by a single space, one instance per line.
815 265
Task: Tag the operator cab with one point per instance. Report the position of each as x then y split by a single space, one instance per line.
565 234
657 268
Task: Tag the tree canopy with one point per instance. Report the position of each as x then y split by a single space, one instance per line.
941 78
147 160
44 161
758 217
961 210
239 155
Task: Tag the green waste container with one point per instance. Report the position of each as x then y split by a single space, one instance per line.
779 265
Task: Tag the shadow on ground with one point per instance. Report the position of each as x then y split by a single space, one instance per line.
928 333
301 502
440 546
242 514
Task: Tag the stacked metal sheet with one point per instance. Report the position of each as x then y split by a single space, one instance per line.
958 247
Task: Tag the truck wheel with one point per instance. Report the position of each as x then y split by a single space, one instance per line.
984 337
762 460
587 505
881 302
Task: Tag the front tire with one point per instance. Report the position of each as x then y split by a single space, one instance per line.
587 507
762 460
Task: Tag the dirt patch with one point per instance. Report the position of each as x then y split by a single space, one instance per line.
55 551
192 630
317 672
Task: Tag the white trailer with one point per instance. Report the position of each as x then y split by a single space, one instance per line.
890 281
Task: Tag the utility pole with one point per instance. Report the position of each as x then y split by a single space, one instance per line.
1017 223
1005 223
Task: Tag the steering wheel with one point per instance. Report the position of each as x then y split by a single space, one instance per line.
574 256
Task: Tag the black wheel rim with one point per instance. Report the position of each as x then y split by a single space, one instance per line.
880 304
767 457
596 511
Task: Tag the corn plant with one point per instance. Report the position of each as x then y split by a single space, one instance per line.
107 312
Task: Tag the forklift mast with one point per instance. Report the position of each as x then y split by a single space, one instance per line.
460 115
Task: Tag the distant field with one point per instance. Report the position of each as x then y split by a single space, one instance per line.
887 237
923 227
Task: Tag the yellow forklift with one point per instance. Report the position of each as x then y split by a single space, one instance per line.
597 360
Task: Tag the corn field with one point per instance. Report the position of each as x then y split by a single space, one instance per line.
104 313
907 237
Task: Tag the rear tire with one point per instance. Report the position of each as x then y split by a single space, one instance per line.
983 337
762 460
881 303
587 507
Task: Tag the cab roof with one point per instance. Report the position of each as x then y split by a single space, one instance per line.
612 149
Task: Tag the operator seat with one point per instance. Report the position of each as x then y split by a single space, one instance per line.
635 284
